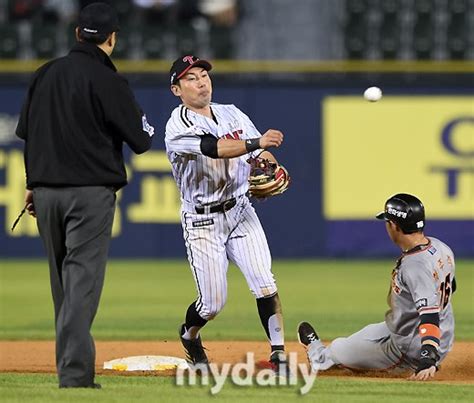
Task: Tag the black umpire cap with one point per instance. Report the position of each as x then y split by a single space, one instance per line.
182 64
98 18
406 210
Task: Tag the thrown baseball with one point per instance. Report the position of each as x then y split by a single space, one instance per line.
373 94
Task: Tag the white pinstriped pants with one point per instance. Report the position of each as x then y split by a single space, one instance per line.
214 239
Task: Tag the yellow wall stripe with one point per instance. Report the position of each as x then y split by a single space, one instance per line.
272 66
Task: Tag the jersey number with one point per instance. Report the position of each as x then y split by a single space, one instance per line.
445 291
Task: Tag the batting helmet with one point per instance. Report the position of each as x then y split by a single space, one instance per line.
406 211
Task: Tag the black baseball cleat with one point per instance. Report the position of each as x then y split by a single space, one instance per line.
280 364
306 334
195 353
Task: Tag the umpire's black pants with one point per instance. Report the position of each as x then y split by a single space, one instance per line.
75 224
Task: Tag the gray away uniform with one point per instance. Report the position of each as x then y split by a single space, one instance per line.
422 283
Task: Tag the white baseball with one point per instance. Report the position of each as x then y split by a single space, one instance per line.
373 94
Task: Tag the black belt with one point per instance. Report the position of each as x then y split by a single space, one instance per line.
218 208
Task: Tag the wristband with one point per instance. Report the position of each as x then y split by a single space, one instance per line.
428 357
252 145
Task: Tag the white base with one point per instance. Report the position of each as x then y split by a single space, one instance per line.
146 363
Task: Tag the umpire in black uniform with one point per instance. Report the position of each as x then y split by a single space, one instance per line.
77 115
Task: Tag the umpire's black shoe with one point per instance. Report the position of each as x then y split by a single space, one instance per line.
93 386
306 334
194 350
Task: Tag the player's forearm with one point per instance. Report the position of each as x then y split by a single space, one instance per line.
429 330
430 335
227 148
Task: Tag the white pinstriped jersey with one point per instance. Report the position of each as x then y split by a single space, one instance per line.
212 239
203 180
422 283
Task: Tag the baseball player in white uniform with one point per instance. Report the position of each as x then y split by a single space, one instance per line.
418 330
208 145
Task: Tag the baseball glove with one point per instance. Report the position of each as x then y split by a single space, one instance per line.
267 178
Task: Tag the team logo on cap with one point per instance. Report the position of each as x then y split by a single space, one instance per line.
188 59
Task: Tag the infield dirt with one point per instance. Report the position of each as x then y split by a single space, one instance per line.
38 356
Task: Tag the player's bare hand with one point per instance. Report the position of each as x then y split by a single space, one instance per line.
424 375
271 138
30 207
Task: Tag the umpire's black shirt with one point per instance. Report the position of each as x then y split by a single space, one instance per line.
77 114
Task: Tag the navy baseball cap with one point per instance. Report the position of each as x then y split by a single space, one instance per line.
406 210
98 18
182 64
